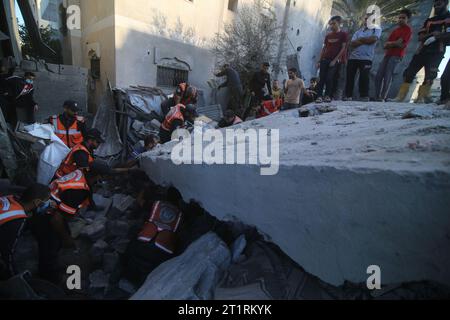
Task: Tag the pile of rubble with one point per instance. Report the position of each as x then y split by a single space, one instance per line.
217 260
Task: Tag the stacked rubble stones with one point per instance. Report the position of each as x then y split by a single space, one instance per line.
107 234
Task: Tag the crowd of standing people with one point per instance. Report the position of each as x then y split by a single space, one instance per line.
354 55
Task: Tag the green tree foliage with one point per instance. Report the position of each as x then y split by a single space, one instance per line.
250 40
49 37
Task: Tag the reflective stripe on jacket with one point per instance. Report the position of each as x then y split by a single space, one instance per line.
162 225
10 210
174 114
73 181
70 136
68 165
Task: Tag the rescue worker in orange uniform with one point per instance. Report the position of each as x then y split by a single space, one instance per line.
69 127
184 94
158 240
268 107
176 119
82 155
13 213
70 194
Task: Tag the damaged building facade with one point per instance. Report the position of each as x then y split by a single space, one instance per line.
153 43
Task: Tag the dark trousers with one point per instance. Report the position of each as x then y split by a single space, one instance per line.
340 80
429 61
235 98
164 136
9 236
49 244
327 78
445 84
141 259
26 115
385 75
364 67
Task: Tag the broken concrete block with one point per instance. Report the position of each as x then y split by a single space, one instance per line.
98 279
115 214
120 245
110 262
76 227
99 248
122 202
94 231
192 276
127 286
27 65
419 112
343 191
117 229
315 110
103 203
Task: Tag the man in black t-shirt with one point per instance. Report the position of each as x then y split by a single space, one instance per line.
434 37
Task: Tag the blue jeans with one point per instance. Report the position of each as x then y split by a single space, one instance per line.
385 75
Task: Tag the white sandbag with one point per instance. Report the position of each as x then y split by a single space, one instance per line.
51 158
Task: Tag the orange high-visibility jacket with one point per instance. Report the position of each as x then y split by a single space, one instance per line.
70 136
162 225
73 181
68 165
270 106
10 210
174 114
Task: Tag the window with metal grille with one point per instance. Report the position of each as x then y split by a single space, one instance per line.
170 77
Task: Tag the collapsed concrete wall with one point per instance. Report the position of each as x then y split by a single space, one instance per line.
357 187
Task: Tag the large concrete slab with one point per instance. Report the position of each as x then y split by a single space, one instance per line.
356 187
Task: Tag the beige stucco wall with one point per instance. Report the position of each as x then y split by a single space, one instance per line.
198 21
132 35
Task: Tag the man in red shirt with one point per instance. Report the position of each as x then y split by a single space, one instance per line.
332 53
395 51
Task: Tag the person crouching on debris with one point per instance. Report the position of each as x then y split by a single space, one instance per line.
176 119
13 214
184 94
230 119
157 240
70 193
69 127
82 155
